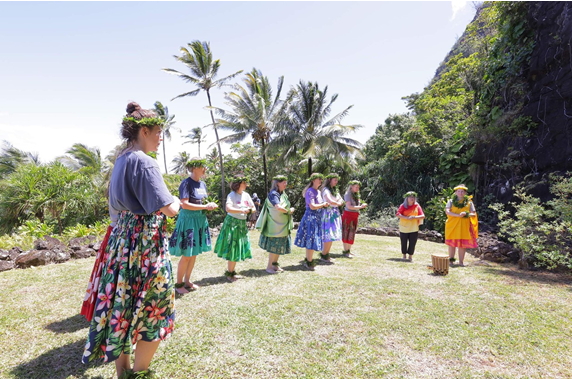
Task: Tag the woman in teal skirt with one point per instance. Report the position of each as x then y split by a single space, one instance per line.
135 303
232 243
275 224
191 236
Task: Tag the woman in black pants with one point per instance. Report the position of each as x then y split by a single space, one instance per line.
410 216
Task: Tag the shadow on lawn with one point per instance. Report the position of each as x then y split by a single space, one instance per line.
532 276
59 363
69 325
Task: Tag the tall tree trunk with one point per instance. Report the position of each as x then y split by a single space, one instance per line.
199 143
165 156
223 189
264 166
309 167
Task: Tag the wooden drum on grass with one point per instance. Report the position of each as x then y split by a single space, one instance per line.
440 264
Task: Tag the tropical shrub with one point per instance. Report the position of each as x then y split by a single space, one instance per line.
540 230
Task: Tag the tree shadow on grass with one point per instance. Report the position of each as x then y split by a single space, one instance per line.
59 363
532 276
69 325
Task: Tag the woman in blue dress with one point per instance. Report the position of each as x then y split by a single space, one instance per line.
331 218
310 232
191 236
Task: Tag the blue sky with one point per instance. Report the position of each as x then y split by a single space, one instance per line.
68 69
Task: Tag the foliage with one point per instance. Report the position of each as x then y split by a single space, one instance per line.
435 216
309 131
168 124
52 194
541 231
384 218
195 136
35 228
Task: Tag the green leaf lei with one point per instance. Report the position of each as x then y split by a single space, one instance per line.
280 178
410 193
148 122
239 179
316 176
196 163
460 204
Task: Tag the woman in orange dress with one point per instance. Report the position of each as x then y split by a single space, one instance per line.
410 216
462 226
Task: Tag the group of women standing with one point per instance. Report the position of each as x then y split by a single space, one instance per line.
130 301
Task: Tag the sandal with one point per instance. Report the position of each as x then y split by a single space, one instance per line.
191 287
180 288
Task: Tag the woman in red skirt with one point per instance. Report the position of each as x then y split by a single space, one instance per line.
350 216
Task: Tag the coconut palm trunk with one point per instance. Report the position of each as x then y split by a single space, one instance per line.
222 184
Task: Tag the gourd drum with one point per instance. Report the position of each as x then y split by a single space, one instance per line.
440 264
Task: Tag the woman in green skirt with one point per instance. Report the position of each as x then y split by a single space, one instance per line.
232 243
275 224
191 236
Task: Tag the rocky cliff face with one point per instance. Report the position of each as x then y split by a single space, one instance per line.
548 148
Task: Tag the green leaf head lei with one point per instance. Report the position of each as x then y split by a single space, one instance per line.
239 179
149 122
280 178
410 193
196 163
316 176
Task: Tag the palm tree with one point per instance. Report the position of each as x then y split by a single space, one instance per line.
180 163
204 70
11 158
309 131
195 136
83 158
255 112
163 112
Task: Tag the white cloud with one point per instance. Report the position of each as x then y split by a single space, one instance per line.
457 6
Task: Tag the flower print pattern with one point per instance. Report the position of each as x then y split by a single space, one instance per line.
191 235
133 305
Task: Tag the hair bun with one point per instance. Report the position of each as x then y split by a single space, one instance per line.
133 107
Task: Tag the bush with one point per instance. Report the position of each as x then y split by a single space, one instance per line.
541 231
435 216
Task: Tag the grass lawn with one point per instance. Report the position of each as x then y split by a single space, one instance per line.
374 316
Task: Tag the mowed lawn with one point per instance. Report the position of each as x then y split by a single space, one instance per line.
374 316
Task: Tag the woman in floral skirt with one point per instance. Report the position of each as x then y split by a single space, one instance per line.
331 219
309 234
191 236
232 243
135 307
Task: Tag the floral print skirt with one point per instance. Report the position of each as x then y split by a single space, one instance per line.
191 235
331 224
136 297
232 243
88 304
309 234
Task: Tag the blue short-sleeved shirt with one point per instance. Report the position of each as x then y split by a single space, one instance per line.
274 197
313 196
193 190
137 185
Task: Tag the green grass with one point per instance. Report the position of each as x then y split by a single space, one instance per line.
371 317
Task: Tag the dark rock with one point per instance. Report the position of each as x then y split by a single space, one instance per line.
79 242
34 258
14 252
6 265
47 243
84 252
4 255
96 246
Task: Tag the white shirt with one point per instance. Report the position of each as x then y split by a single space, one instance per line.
243 200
